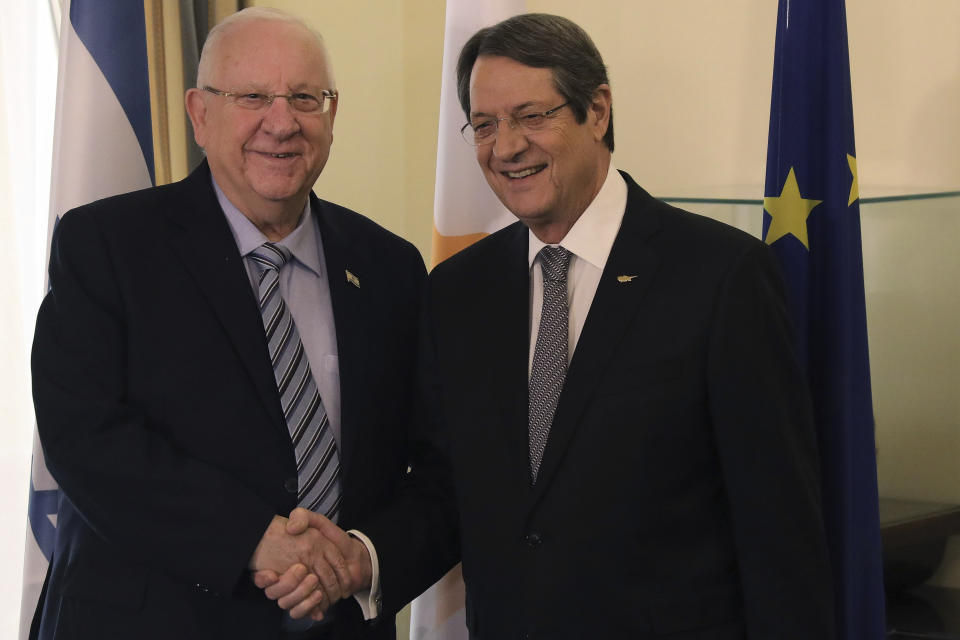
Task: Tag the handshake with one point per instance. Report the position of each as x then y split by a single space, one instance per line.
306 563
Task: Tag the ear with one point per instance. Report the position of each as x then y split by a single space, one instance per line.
197 110
598 115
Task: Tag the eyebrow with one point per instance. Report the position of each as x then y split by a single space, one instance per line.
519 107
292 88
304 85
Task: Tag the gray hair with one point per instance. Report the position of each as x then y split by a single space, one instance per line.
251 14
541 41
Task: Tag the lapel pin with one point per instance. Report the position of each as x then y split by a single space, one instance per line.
625 278
352 279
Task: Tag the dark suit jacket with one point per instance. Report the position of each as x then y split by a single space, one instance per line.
159 415
678 494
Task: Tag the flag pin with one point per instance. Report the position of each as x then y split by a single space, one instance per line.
625 278
352 279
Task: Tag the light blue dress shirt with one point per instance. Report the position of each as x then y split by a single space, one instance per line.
306 290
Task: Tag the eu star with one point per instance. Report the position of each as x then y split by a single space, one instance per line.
788 212
855 184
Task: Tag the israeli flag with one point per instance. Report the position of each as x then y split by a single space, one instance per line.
102 146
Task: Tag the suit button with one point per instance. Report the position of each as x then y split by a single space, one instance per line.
533 539
290 484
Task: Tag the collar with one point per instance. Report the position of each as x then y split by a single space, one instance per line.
592 235
302 241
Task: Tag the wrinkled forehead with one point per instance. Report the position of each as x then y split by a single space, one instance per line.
274 54
503 85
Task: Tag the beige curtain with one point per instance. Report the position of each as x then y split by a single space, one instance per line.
175 35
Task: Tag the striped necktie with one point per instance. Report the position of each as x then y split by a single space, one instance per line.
549 368
318 462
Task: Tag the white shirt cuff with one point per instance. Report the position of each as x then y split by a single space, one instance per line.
370 601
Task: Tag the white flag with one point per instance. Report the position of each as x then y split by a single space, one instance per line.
102 146
464 210
464 207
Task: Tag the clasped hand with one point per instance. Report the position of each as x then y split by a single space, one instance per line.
306 563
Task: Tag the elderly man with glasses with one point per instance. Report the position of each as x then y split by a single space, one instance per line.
214 353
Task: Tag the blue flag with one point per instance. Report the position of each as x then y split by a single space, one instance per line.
812 221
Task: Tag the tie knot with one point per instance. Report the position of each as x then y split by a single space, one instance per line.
554 262
271 256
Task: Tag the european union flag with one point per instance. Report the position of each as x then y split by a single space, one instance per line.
812 221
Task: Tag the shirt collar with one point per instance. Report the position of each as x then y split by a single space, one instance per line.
302 241
592 235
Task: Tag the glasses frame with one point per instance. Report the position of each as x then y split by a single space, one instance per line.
467 129
325 98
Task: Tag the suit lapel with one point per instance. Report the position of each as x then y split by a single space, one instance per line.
507 347
614 306
201 237
350 322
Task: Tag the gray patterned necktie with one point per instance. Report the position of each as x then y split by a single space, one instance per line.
318 462
549 367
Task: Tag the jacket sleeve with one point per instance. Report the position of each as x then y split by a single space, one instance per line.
417 537
763 427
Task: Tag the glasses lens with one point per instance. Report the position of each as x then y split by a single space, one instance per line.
251 100
305 102
532 121
480 132
467 132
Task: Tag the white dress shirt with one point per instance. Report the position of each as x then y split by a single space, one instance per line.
589 241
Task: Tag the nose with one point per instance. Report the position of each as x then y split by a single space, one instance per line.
280 119
510 142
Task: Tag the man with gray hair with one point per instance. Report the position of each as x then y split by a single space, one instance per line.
622 443
214 353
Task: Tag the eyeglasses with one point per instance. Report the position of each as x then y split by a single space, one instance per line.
304 102
484 130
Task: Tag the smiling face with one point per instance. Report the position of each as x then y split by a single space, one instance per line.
548 177
265 161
